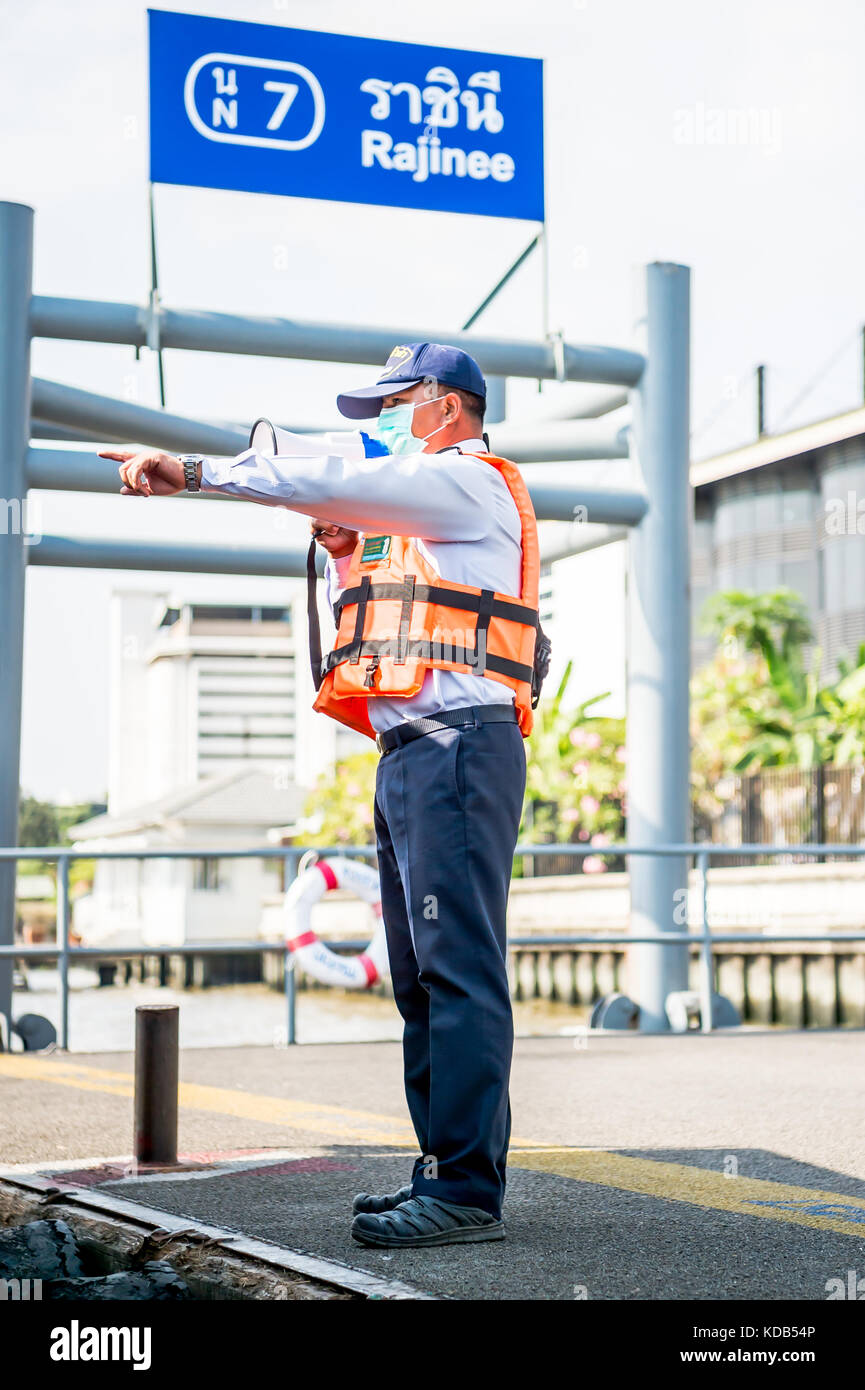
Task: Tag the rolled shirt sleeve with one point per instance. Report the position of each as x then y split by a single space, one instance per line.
441 497
336 573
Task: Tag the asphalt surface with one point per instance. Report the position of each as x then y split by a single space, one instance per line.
722 1167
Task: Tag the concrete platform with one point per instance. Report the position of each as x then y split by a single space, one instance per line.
722 1167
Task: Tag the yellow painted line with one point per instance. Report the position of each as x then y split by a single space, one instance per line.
677 1182
315 1117
337 1121
333 1120
702 1187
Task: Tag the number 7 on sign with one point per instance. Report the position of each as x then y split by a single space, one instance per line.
289 92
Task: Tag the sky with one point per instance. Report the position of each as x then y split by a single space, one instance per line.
645 159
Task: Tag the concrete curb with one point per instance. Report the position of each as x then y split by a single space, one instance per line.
209 1258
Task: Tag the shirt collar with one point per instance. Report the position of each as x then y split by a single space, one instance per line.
468 446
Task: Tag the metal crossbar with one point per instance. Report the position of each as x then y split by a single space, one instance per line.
704 939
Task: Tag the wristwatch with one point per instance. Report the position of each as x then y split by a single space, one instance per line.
190 470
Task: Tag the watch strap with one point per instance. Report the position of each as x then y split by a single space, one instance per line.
190 471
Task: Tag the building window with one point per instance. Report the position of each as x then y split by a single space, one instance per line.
205 875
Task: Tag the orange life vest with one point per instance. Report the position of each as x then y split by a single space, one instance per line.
396 618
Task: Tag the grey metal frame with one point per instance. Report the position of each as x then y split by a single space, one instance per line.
16 263
705 938
659 635
658 605
201 331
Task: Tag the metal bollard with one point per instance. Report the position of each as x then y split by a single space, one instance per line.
290 998
156 1077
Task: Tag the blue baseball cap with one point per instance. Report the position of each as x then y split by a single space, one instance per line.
408 365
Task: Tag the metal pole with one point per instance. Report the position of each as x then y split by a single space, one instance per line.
199 330
707 984
103 416
289 875
156 1077
186 557
290 998
62 930
496 400
761 401
500 284
658 661
16 266
154 294
579 539
562 441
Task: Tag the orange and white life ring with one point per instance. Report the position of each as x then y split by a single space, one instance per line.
311 884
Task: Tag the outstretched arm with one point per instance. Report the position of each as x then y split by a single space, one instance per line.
446 497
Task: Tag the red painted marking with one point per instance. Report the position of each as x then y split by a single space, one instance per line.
306 938
327 874
88 1177
371 972
110 1172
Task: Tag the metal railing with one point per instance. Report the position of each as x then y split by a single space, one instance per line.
704 939
823 803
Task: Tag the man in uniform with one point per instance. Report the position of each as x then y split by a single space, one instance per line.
433 570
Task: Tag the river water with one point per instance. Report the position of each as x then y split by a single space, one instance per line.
102 1019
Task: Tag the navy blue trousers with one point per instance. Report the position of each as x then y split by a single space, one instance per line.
447 814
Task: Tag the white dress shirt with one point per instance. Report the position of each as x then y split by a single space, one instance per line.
456 508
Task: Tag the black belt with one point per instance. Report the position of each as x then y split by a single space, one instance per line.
447 718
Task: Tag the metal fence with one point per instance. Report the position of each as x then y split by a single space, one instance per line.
784 808
550 863
788 807
704 939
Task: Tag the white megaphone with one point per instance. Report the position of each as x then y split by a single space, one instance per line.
267 438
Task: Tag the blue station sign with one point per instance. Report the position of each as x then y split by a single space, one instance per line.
266 109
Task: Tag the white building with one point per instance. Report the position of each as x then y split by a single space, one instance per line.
198 690
169 902
202 729
321 742
582 611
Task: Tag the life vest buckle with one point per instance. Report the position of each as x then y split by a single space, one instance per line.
369 676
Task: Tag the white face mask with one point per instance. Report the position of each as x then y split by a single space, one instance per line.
393 428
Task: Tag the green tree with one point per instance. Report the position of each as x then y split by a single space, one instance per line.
575 787
41 823
339 807
776 714
755 704
38 824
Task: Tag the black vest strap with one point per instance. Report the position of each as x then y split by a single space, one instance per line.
359 618
487 598
405 619
513 610
420 649
312 617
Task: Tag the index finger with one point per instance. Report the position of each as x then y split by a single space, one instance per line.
120 455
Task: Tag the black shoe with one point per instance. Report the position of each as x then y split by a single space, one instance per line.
427 1221
364 1202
